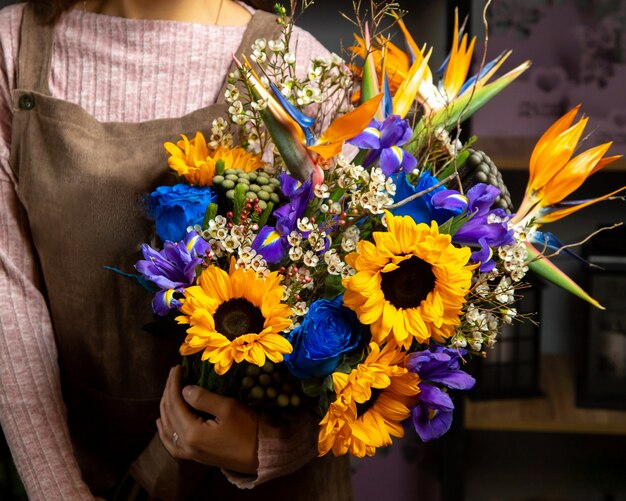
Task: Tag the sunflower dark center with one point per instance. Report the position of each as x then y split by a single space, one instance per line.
410 284
236 317
366 406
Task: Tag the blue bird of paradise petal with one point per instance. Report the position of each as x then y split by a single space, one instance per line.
387 99
304 121
138 278
548 240
486 69
442 68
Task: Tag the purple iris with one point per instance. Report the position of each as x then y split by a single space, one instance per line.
172 269
384 139
436 367
487 227
271 241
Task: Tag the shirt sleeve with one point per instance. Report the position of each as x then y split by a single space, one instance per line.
286 444
32 413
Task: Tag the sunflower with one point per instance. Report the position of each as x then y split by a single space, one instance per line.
372 401
235 316
410 284
196 162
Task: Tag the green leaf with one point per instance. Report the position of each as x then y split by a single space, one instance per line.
333 287
239 202
220 167
312 387
543 267
453 165
266 214
209 215
454 224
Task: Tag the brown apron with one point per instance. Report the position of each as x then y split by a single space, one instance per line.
82 184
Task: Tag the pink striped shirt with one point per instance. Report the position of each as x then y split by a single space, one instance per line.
122 70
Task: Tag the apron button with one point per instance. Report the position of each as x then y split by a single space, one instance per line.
26 102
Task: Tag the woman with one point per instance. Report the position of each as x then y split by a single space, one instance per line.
87 92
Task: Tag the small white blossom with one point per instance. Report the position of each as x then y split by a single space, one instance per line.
305 225
295 253
259 104
321 191
310 259
276 45
294 238
300 308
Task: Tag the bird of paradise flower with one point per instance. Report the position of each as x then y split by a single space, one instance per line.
554 174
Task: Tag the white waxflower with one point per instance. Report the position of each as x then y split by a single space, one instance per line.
459 341
330 256
230 244
307 95
276 45
216 248
295 253
321 243
221 233
377 176
231 94
310 259
289 58
237 231
491 340
508 314
335 268
504 291
246 254
300 308
219 124
286 86
348 244
294 238
235 108
258 263
345 82
240 119
352 233
315 73
259 104
220 221
259 44
476 344
321 191
305 225
347 271
336 60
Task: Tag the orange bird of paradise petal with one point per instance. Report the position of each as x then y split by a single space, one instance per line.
346 127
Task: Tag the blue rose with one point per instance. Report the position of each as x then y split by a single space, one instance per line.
327 332
174 208
422 209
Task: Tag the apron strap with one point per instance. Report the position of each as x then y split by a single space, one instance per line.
35 52
262 25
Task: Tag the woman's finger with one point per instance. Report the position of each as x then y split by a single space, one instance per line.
206 401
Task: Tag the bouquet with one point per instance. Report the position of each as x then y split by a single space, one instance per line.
333 246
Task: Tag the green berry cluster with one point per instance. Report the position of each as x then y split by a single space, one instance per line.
270 386
258 186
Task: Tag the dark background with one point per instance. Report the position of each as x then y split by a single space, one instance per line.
485 465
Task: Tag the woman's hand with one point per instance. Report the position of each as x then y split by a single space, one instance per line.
228 441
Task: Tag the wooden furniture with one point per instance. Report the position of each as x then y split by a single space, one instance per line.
556 412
